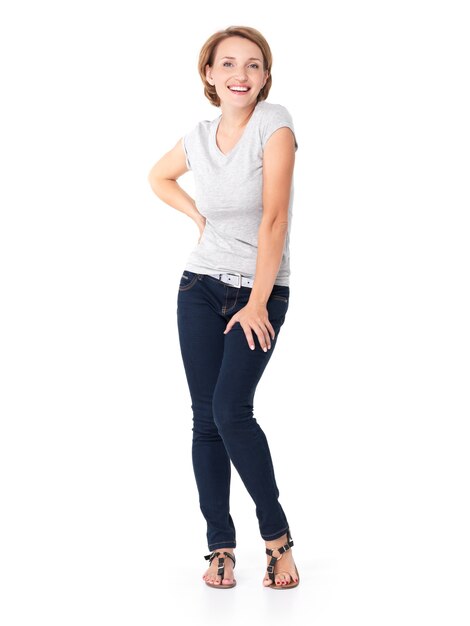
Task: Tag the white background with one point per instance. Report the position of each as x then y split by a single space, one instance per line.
365 402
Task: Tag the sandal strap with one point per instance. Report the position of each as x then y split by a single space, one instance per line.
211 556
282 549
220 564
232 557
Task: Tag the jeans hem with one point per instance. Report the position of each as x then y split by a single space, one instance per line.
275 535
226 544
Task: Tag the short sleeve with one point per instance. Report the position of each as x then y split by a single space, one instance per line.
278 117
186 153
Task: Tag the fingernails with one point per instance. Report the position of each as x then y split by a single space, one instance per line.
265 349
252 347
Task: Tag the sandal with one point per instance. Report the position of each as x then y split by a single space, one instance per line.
220 569
270 570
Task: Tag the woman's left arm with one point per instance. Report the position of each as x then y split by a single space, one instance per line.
278 168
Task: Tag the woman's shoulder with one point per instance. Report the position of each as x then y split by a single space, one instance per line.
272 109
273 116
201 127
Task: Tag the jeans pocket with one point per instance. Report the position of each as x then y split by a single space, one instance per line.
278 297
187 280
277 306
281 293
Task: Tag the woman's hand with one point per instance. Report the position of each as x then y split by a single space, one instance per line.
201 224
254 316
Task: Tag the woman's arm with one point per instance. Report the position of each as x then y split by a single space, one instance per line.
162 178
278 168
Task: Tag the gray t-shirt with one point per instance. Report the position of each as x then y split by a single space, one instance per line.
228 193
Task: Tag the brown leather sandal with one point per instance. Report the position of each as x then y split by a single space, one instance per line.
270 570
220 569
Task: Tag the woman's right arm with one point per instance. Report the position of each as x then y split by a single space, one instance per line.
162 178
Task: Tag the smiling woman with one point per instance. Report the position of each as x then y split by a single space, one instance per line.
258 64
234 291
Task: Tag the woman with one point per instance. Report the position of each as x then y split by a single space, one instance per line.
234 292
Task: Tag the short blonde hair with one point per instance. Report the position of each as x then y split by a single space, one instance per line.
207 54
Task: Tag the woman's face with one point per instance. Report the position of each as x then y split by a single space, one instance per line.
238 62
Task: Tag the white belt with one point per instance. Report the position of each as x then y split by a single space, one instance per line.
235 279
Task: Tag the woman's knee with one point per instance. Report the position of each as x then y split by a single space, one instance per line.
229 413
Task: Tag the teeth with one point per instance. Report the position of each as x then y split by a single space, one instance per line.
238 88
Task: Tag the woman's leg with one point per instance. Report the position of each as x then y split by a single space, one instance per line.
201 329
244 439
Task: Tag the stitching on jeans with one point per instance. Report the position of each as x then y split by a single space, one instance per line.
236 300
279 534
224 308
188 285
277 297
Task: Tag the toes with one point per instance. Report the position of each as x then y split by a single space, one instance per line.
228 578
281 579
216 579
284 578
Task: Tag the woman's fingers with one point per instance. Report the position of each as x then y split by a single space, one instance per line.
267 331
257 322
248 335
265 339
261 332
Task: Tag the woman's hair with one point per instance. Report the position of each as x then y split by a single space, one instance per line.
207 55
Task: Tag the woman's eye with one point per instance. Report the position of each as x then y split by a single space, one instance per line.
253 64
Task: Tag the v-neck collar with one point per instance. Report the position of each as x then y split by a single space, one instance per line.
242 136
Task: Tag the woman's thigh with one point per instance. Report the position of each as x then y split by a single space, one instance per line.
216 360
201 336
241 367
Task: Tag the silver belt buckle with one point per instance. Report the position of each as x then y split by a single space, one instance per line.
239 278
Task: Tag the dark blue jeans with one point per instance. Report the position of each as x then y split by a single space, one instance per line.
222 373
